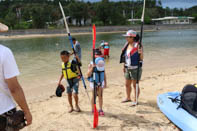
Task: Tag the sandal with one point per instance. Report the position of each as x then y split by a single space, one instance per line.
133 104
71 110
126 100
101 113
78 109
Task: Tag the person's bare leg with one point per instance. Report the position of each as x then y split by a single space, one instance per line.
92 100
100 96
128 88
77 102
70 102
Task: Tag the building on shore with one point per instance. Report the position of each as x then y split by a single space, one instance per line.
133 21
75 22
173 20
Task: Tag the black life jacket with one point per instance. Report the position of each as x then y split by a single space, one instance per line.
189 99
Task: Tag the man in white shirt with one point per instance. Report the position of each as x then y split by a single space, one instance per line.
10 89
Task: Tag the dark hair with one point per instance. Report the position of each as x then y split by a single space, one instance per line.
73 39
137 38
64 52
98 51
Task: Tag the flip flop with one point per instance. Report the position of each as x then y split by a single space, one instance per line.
71 110
126 101
78 110
133 104
101 113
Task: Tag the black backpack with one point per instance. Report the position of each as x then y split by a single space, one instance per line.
189 99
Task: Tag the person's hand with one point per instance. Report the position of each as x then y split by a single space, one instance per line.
92 66
28 118
77 57
124 69
140 50
79 76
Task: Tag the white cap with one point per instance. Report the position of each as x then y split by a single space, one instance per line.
131 33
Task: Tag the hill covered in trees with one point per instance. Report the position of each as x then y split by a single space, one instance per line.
33 14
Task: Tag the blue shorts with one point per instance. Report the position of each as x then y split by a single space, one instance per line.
73 84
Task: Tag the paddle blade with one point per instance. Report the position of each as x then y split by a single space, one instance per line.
95 122
94 36
144 6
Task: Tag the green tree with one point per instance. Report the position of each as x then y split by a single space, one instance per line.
104 11
39 17
195 17
10 19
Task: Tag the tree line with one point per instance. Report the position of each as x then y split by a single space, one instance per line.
33 14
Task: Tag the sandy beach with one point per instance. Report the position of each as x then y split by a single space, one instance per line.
51 114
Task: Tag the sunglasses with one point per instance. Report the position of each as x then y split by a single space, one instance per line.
129 37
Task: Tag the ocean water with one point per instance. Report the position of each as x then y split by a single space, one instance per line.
39 61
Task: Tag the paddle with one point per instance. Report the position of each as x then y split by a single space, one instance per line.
140 45
72 45
95 121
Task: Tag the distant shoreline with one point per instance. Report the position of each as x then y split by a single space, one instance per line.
36 33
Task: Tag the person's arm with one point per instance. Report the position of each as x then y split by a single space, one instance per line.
140 51
19 97
61 77
124 68
90 70
10 72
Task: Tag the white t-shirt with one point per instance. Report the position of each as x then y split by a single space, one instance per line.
128 59
8 69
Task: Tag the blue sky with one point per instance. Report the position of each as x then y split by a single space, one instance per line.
179 3
169 3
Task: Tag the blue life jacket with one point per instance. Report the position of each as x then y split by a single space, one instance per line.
99 72
106 47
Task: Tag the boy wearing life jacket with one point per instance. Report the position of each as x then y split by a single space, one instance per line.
70 73
100 78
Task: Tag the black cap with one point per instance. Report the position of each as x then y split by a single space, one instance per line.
65 52
98 52
73 39
60 89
